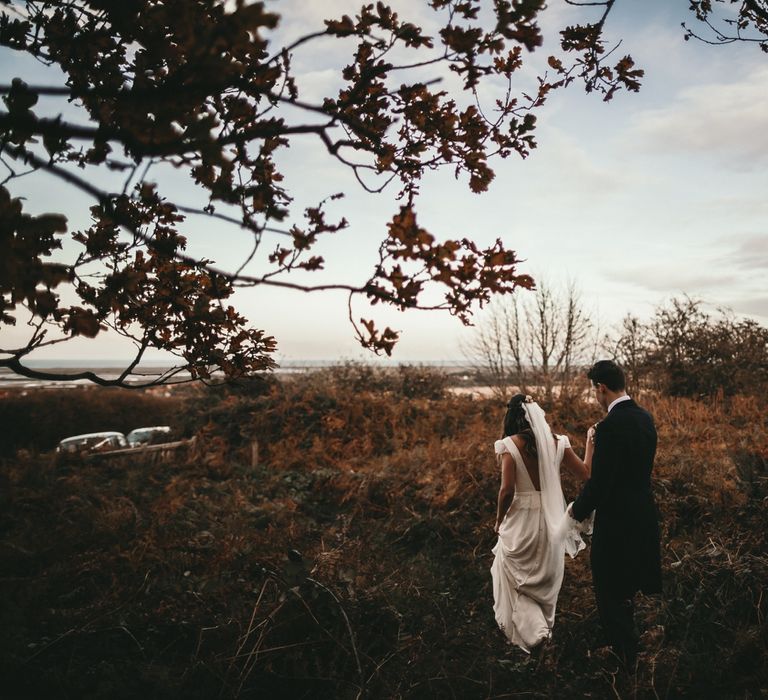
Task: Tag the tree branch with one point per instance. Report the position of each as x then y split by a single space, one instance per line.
17 367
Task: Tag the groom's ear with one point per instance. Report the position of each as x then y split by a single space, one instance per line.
599 388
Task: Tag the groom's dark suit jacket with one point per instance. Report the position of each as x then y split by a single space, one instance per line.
625 544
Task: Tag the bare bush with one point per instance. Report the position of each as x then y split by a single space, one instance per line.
684 351
631 347
537 341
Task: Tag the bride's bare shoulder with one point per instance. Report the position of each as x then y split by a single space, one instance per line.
518 440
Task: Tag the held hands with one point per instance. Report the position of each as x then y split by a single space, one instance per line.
590 446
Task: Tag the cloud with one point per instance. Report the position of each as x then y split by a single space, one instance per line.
572 171
747 205
751 253
725 120
751 306
317 84
669 278
729 272
299 17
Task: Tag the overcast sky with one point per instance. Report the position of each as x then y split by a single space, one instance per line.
637 200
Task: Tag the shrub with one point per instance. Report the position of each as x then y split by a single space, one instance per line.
40 419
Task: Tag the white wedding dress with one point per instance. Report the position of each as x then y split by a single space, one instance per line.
534 535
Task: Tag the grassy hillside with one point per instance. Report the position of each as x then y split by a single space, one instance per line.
351 560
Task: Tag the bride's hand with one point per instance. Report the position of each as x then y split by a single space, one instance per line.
589 450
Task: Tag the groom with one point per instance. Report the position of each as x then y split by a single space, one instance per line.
625 553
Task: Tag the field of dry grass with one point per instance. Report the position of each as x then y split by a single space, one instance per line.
351 559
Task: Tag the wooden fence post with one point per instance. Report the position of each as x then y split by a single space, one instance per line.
254 454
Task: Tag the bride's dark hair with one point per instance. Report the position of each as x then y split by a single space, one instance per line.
515 423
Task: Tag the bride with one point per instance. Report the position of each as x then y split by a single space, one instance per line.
534 531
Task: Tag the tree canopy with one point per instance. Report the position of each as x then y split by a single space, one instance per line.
208 88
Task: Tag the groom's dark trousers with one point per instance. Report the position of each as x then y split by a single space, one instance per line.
625 553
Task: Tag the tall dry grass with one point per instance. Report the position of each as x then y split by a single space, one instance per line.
352 559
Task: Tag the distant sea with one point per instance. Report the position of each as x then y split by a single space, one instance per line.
112 367
117 362
90 364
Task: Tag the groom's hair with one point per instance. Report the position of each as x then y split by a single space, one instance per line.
609 373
